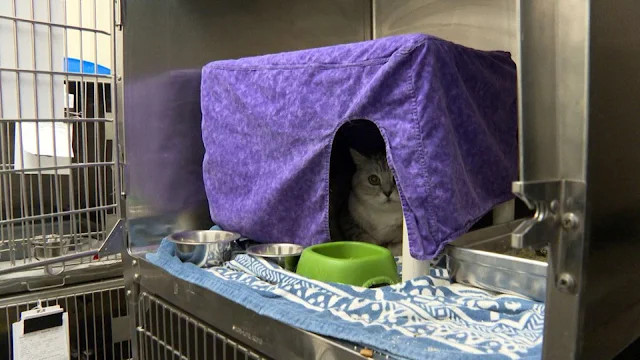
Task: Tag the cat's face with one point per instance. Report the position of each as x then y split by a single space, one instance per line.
373 181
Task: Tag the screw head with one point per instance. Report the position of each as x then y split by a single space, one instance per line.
569 221
554 206
566 282
128 293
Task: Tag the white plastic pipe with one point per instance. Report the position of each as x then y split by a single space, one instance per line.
411 268
504 213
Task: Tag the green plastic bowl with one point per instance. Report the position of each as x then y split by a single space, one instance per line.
349 262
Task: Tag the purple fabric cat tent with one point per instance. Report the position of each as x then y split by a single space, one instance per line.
448 115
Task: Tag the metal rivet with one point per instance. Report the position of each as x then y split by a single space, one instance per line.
134 262
566 283
569 221
554 206
136 276
128 293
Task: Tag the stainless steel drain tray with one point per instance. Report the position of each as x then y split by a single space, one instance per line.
477 259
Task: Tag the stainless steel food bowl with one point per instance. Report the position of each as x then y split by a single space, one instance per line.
204 247
285 255
50 246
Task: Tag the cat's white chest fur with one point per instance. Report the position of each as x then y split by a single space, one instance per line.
383 223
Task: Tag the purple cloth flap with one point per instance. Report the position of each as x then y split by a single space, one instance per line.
448 115
163 141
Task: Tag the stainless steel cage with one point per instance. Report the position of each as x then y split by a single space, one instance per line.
166 332
579 168
177 320
98 319
59 178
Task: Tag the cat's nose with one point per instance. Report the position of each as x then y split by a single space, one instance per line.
387 193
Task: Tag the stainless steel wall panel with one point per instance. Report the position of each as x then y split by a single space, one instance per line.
612 292
481 24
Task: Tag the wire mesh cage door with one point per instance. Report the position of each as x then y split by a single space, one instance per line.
167 332
59 165
98 319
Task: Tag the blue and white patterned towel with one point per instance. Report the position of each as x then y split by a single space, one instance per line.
425 318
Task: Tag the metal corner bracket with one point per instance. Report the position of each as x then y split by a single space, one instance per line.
558 222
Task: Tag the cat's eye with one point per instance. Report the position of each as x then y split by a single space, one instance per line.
374 180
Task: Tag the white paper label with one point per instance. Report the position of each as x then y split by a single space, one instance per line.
47 344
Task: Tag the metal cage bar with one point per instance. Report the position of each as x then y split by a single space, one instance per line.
58 161
97 319
166 332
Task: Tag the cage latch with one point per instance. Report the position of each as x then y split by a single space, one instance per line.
558 222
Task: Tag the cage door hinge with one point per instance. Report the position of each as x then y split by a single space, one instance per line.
558 222
123 179
119 13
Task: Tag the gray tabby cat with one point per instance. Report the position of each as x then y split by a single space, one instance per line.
374 212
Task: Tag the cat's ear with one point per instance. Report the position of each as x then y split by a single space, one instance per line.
358 158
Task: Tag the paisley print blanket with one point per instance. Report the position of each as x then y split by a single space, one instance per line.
425 318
